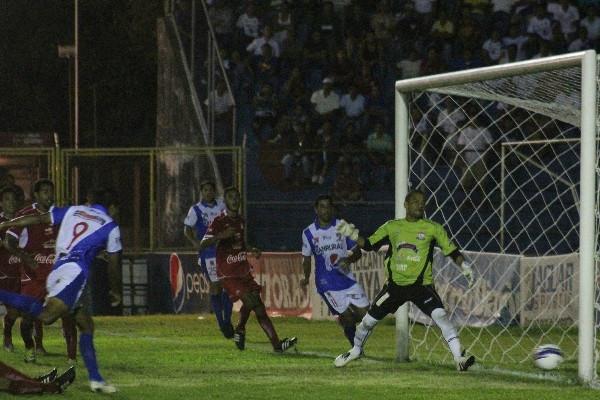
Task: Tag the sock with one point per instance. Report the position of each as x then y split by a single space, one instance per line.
70 333
350 331
26 304
22 384
363 331
26 329
9 322
267 326
86 347
217 306
38 328
244 315
441 319
227 307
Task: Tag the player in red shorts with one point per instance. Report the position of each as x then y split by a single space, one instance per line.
227 233
34 245
10 272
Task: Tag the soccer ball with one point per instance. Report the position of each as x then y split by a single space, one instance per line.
547 356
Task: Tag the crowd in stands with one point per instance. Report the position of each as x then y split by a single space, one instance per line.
319 74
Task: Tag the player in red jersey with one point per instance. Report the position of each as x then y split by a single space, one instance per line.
227 233
10 273
34 245
15 382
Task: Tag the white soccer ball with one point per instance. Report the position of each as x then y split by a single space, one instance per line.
547 356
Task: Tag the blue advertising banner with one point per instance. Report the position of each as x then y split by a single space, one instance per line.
176 284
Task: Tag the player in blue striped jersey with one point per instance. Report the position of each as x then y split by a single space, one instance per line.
198 218
333 254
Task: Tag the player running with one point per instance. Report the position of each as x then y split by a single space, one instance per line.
10 273
84 231
196 223
409 267
34 246
333 255
227 233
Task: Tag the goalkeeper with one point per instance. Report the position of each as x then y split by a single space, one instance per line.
408 263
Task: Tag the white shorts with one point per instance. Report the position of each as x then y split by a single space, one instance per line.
66 282
209 268
338 301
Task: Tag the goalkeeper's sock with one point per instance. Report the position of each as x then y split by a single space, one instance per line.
350 332
28 305
363 330
441 319
86 347
227 307
217 306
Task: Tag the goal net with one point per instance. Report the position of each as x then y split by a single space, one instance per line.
507 156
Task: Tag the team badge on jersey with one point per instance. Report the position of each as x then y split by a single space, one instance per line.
420 236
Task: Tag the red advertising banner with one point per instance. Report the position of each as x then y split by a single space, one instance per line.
279 274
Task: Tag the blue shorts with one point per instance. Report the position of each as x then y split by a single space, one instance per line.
66 282
208 266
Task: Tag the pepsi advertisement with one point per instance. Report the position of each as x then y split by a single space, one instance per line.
176 284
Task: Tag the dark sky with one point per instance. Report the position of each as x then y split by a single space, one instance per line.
117 62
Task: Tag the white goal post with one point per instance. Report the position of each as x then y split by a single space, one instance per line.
444 83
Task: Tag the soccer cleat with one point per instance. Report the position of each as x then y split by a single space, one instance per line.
47 378
65 379
102 387
348 356
29 356
464 362
228 331
286 344
240 340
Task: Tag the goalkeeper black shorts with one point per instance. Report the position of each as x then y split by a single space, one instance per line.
393 296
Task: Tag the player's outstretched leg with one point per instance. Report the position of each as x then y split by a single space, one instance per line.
227 311
239 336
363 331
462 361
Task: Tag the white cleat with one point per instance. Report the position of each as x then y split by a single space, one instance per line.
464 363
348 356
102 387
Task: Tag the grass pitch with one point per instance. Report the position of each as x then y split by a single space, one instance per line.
184 357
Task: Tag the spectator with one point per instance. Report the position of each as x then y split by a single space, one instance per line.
248 25
221 102
516 38
315 57
382 23
442 32
380 150
265 112
294 88
342 69
492 48
282 23
566 14
424 9
539 24
558 44
266 67
376 109
257 45
581 42
324 157
591 22
353 104
9 180
473 141
325 101
448 121
297 158
410 67
327 25
501 11
346 186
433 63
221 17
370 52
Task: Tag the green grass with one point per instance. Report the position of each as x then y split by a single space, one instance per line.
183 357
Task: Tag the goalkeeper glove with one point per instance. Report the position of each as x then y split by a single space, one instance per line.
347 229
467 272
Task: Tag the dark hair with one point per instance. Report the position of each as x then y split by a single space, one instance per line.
230 189
8 189
207 182
413 193
37 186
324 197
104 196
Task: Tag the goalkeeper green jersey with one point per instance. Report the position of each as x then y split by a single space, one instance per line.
410 256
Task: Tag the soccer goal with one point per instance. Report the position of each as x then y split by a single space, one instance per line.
508 157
